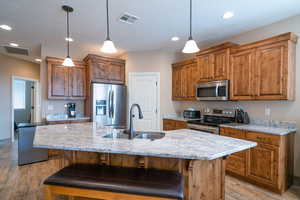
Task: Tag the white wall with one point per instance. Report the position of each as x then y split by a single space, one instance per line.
280 110
155 61
9 67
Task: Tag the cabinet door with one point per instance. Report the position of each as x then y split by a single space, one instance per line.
263 164
205 68
100 71
77 82
176 83
58 82
221 64
192 81
241 73
117 73
184 76
271 71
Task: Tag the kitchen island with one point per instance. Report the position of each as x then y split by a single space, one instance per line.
200 157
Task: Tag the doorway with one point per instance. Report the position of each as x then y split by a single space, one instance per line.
25 102
144 89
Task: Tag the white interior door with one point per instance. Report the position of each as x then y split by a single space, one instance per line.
144 90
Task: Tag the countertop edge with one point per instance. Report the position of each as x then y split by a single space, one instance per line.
240 127
220 155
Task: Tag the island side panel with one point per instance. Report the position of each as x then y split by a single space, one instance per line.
204 179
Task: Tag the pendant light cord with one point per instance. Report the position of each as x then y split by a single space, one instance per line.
107 22
190 37
68 34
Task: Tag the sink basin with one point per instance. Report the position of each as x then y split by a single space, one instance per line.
149 135
117 135
139 135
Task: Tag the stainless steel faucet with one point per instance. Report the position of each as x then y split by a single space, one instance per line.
131 132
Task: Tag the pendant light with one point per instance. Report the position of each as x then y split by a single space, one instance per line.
108 45
68 60
190 46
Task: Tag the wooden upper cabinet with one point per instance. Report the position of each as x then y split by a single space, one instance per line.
264 70
65 82
241 70
117 72
105 70
184 80
58 81
77 78
270 71
213 63
221 64
205 68
102 70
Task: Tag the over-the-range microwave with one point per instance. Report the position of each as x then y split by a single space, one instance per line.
213 91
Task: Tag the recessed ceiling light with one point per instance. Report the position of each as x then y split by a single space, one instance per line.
175 38
228 15
69 39
5 27
38 60
13 44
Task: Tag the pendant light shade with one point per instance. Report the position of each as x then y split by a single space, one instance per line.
68 61
190 46
108 45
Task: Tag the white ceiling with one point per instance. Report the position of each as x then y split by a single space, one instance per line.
42 22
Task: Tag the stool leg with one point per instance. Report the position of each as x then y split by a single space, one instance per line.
48 193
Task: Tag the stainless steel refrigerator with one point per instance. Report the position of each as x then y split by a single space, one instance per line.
109 104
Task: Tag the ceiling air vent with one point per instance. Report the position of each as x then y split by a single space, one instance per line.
16 50
128 18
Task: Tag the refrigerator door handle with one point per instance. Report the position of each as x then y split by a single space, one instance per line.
112 104
109 104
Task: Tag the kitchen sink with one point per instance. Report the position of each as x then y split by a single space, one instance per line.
139 135
149 135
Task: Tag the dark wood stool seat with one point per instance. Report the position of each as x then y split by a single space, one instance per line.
138 182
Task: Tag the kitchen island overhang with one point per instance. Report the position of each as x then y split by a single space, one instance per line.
200 157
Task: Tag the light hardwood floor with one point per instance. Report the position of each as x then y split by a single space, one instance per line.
25 182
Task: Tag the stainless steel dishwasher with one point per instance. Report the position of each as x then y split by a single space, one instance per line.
26 153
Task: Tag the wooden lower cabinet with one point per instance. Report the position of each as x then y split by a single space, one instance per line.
169 124
269 164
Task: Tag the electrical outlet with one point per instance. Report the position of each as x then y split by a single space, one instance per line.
268 111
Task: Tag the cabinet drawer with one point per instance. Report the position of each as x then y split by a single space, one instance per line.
235 133
263 138
180 125
168 125
236 165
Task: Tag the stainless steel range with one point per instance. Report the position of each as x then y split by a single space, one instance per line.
211 120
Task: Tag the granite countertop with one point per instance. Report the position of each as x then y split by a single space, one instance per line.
275 128
185 144
64 117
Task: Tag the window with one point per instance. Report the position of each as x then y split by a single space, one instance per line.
19 94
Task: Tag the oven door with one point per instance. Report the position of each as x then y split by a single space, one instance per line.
215 90
208 129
